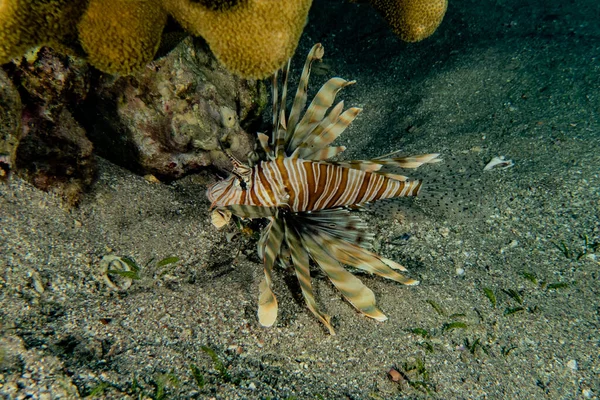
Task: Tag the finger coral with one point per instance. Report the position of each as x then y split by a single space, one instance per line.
252 38
412 20
29 23
121 36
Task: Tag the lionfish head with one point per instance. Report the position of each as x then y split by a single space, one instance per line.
228 191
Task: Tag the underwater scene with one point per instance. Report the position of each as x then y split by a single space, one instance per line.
301 199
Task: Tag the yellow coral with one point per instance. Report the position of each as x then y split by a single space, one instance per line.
30 23
252 38
121 36
412 20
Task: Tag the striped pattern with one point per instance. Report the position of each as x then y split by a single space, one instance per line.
309 186
305 198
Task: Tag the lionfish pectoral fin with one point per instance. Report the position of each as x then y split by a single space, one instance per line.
301 262
360 258
219 218
267 305
359 295
269 248
245 211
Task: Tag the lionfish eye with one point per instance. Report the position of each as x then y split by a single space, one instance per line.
243 184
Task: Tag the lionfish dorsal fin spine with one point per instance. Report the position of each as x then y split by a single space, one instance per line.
281 128
331 118
316 110
311 146
275 110
316 53
264 142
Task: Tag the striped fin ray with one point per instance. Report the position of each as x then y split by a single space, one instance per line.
309 149
318 127
327 152
410 162
367 261
264 143
251 212
339 223
316 53
275 110
316 110
350 286
345 234
375 165
268 249
281 126
301 263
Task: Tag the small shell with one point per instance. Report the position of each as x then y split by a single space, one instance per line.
498 162
110 262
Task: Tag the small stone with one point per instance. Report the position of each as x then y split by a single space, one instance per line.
252 386
572 364
587 393
151 178
460 271
395 375
444 232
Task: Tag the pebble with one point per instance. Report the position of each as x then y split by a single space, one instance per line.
252 386
460 271
572 364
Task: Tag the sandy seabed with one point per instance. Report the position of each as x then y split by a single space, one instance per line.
497 79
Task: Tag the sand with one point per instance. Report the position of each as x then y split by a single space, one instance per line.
497 79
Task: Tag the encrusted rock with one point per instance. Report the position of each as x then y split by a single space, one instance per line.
167 119
53 153
10 123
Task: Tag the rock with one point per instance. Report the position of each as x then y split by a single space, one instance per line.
10 124
53 152
166 119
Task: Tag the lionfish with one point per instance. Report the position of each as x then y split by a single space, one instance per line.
307 200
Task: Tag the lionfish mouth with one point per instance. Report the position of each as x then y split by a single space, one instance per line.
306 199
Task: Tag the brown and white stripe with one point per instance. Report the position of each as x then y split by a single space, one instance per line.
309 186
306 198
